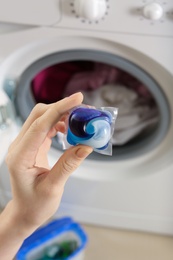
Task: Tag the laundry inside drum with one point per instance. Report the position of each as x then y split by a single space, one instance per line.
103 85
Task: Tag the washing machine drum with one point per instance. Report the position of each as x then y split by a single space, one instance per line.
105 80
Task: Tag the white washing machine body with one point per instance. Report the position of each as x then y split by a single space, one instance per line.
132 189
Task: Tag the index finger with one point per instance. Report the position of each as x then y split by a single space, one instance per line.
37 132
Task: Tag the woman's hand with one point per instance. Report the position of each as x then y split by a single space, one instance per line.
37 189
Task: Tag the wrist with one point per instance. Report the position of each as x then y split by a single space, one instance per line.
16 222
13 231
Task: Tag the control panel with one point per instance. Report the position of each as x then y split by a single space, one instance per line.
146 17
149 17
30 12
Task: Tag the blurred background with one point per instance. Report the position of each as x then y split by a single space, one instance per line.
117 54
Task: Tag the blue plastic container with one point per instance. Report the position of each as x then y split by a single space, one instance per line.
55 231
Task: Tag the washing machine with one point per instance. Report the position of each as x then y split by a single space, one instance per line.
132 189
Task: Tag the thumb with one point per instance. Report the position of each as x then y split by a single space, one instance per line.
68 163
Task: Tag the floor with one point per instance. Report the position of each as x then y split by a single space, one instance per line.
111 244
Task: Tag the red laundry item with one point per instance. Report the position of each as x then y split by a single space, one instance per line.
64 79
92 79
48 85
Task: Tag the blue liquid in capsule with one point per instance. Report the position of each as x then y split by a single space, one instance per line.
89 126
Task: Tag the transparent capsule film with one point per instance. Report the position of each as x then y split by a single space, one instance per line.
90 126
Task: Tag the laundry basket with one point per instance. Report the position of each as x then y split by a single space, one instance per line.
55 232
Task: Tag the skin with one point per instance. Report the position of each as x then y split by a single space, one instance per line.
37 189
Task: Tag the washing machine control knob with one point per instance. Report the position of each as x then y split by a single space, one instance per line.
153 11
92 10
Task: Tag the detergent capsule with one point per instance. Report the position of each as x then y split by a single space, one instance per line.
92 127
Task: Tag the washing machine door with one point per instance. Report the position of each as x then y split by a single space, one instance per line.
33 12
8 127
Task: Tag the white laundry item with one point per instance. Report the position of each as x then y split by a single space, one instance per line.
118 94
140 109
126 121
134 113
109 95
124 136
135 116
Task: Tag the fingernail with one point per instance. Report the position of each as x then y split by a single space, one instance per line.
77 93
83 152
